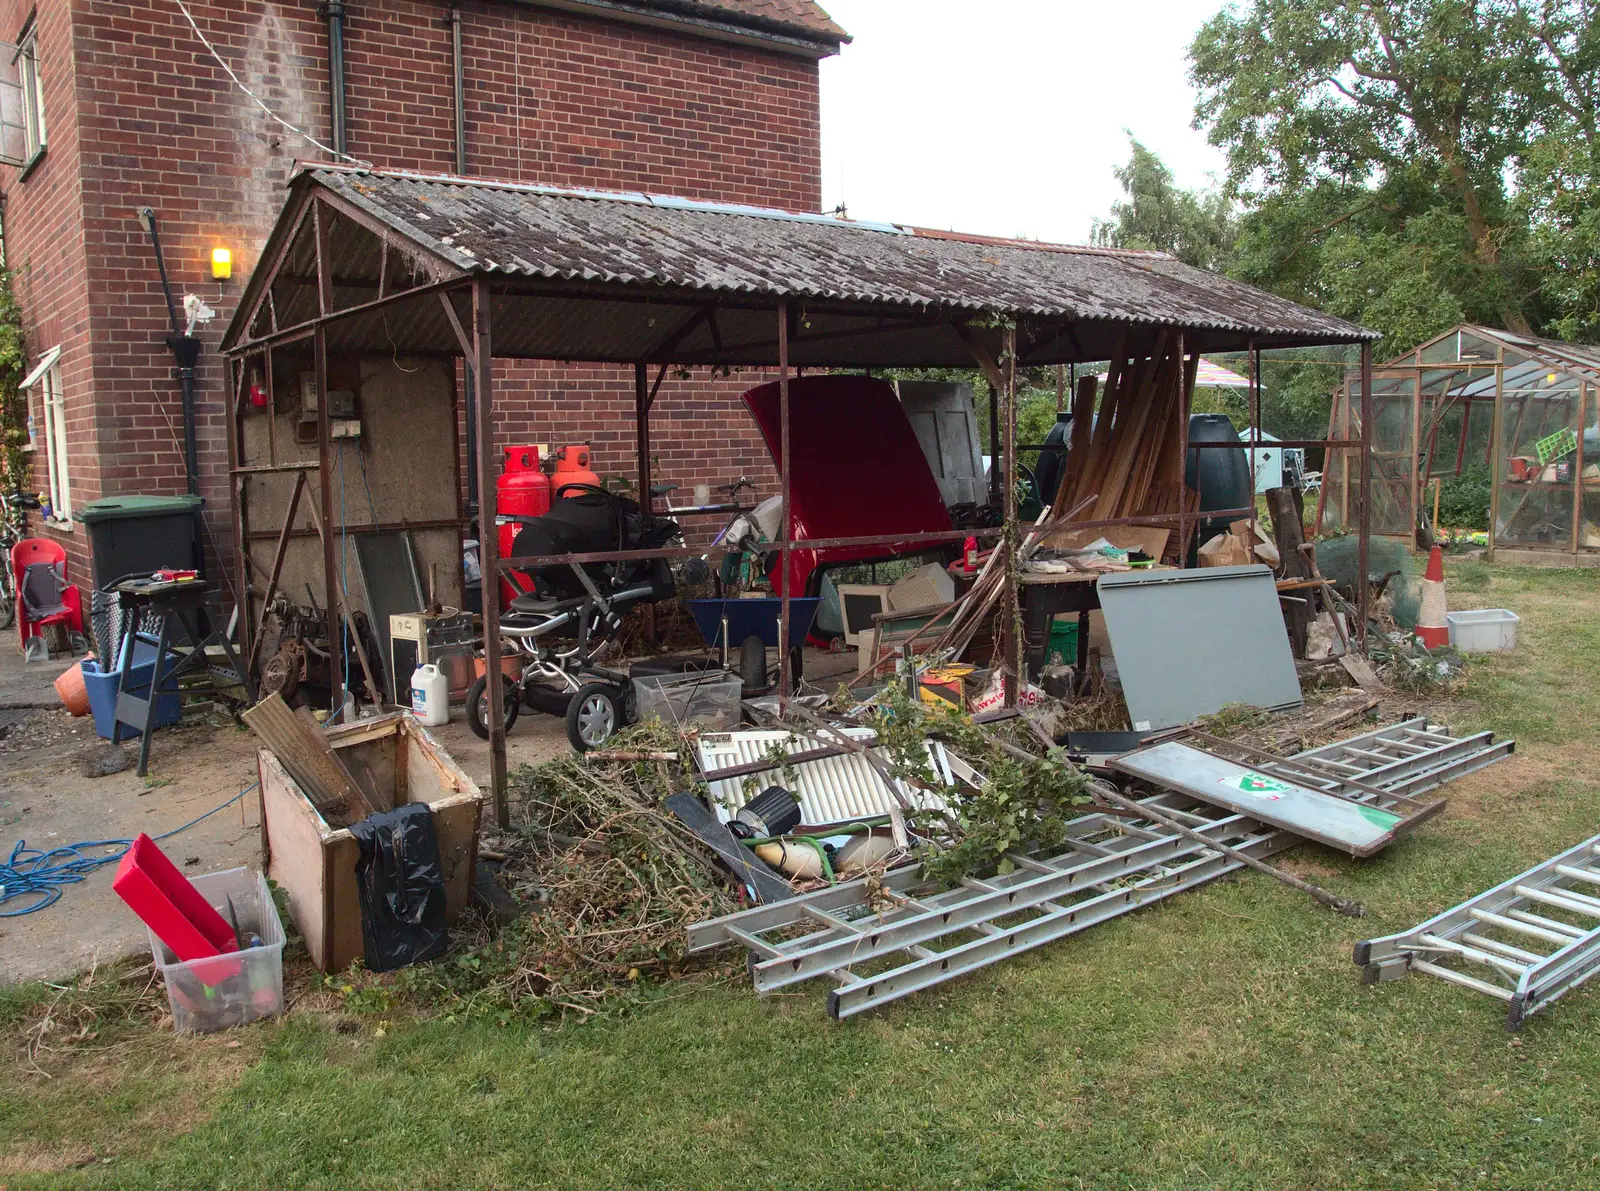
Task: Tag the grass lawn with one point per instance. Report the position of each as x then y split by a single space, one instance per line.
1221 1039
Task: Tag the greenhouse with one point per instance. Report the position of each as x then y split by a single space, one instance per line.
1519 411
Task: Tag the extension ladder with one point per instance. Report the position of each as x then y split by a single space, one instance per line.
1408 758
1529 940
1111 865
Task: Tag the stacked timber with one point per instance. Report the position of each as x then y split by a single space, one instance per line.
1129 459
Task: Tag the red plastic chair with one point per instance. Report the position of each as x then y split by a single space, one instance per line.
67 605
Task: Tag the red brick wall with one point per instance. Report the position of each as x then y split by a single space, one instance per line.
45 253
550 98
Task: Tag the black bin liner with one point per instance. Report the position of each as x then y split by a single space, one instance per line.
401 885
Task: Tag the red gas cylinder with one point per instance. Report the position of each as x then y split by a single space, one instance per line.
570 465
523 490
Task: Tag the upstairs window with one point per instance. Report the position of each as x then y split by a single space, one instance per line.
22 135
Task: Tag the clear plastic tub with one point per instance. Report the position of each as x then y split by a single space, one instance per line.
236 988
1483 630
706 700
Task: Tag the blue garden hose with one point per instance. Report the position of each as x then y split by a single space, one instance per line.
30 871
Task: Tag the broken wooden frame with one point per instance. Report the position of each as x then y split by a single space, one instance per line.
336 275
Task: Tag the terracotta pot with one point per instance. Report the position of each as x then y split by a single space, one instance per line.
72 691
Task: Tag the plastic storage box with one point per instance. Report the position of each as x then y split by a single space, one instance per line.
241 986
1483 630
707 700
101 686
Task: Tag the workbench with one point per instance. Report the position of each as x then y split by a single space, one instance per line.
1043 597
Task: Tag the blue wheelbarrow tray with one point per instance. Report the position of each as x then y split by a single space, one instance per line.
753 618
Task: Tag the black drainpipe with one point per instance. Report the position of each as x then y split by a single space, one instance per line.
334 11
461 89
185 353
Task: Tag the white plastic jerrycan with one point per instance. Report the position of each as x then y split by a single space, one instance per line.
430 695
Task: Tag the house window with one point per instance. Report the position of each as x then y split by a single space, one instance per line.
46 379
22 136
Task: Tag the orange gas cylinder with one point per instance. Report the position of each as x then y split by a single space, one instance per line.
570 465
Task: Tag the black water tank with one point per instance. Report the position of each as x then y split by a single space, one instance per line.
1048 472
1222 477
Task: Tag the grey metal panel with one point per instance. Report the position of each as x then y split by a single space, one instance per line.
946 426
1350 826
1188 643
393 585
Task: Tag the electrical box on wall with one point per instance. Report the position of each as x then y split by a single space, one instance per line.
343 421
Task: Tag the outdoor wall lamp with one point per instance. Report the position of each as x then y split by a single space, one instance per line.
221 263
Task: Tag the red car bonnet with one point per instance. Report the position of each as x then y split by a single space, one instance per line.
858 470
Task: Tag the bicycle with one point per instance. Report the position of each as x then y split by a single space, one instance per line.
13 509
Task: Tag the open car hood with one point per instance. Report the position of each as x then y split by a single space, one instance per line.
858 468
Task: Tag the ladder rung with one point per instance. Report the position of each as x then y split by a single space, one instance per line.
830 921
1488 944
1473 953
1033 866
1580 874
1472 982
759 946
1334 763
1527 928
1575 903
1566 930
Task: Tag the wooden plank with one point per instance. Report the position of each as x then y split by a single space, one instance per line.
295 857
307 757
1290 536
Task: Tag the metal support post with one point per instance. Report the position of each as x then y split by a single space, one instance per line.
785 506
1010 639
489 547
333 576
1364 532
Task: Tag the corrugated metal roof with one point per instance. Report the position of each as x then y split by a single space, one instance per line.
668 244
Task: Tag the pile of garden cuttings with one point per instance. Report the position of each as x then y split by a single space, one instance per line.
610 879
607 879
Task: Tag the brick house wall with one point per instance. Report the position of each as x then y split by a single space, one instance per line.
138 113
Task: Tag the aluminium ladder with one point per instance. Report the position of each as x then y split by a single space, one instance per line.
1111 865
1527 941
1408 758
877 937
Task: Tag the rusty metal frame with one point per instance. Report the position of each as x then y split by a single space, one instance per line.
475 344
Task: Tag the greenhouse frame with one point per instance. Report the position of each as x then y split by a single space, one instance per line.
1521 409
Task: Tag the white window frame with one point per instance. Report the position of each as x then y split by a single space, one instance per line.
32 81
46 377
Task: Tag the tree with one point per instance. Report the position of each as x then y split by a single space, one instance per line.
15 471
1195 227
1411 163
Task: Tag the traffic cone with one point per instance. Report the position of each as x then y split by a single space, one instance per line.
1432 628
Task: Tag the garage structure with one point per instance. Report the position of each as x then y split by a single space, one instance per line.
374 283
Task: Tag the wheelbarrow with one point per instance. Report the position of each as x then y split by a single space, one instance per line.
751 626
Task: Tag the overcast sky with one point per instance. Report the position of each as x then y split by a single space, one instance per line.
1006 117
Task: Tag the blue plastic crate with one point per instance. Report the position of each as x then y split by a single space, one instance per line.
102 688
